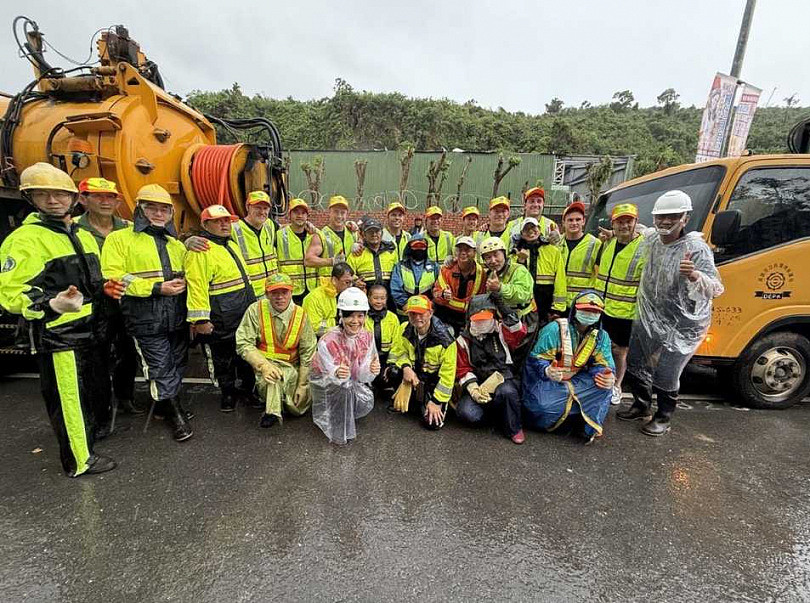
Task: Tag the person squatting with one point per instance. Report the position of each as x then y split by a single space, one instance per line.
515 323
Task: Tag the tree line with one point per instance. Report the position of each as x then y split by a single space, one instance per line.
659 136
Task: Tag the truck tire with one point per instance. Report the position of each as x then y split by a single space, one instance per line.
773 372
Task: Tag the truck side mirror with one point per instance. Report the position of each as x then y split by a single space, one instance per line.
725 227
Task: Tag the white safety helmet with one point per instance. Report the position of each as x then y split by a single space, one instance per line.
672 202
352 299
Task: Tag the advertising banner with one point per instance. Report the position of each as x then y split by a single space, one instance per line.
715 123
743 116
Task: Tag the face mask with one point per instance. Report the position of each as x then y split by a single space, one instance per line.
587 318
419 254
478 328
664 232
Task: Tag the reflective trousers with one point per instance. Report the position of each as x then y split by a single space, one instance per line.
229 368
164 358
72 386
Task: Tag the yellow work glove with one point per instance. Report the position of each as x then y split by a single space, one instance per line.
302 388
477 394
255 359
491 383
402 397
270 372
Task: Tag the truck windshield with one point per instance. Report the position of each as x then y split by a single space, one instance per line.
700 184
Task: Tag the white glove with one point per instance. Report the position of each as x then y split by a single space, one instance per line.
69 300
339 257
357 248
479 396
554 373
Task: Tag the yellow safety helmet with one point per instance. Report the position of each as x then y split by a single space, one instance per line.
492 244
338 200
45 176
470 211
624 209
258 197
499 202
394 206
433 210
154 193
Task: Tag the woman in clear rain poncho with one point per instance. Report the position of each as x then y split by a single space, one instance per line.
674 311
343 368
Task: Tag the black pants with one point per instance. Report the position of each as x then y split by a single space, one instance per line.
164 358
421 395
642 396
121 361
72 386
230 368
503 410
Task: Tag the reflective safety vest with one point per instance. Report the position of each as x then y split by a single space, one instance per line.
546 226
374 267
384 330
518 279
619 276
286 348
409 282
432 358
332 245
449 278
573 360
258 249
290 251
550 270
321 307
442 248
399 247
579 264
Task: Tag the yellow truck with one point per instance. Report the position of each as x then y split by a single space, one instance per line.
755 213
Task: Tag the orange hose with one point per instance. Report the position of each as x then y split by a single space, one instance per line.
210 173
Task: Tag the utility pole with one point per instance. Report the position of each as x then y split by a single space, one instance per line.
742 40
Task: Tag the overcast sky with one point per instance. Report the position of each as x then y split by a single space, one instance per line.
511 54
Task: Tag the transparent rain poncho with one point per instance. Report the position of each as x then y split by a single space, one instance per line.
674 313
338 403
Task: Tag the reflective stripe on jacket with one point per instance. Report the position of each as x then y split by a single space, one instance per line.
290 252
619 276
579 265
258 249
432 358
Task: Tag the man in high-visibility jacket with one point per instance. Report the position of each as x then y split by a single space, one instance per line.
545 264
292 242
423 357
620 265
255 234
50 275
219 293
533 203
276 339
100 199
498 226
440 242
332 243
394 231
414 275
470 217
579 252
376 260
148 259
321 304
513 284
456 285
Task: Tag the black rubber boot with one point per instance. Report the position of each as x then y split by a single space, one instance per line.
228 403
127 407
103 431
100 464
634 413
187 414
655 427
268 420
181 429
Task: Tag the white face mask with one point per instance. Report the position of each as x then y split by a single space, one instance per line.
479 328
665 232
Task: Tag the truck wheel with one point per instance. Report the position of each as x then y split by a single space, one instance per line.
773 373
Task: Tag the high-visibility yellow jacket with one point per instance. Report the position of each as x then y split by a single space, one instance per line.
546 264
440 248
144 262
517 287
290 251
619 276
374 267
433 358
399 246
514 227
219 288
332 244
321 307
579 265
258 249
37 261
505 236
385 327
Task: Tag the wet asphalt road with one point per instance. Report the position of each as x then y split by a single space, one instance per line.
719 510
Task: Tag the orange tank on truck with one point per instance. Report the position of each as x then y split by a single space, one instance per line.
115 120
755 213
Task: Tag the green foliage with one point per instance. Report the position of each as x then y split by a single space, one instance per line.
659 136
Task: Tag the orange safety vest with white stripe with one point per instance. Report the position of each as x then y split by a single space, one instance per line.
619 276
572 361
579 265
269 343
258 249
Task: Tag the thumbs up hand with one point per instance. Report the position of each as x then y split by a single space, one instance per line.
493 282
687 267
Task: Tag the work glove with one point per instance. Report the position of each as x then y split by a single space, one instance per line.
402 397
302 388
114 289
339 257
481 397
358 248
554 237
270 372
69 300
604 380
554 373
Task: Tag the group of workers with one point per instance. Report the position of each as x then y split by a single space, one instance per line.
513 323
